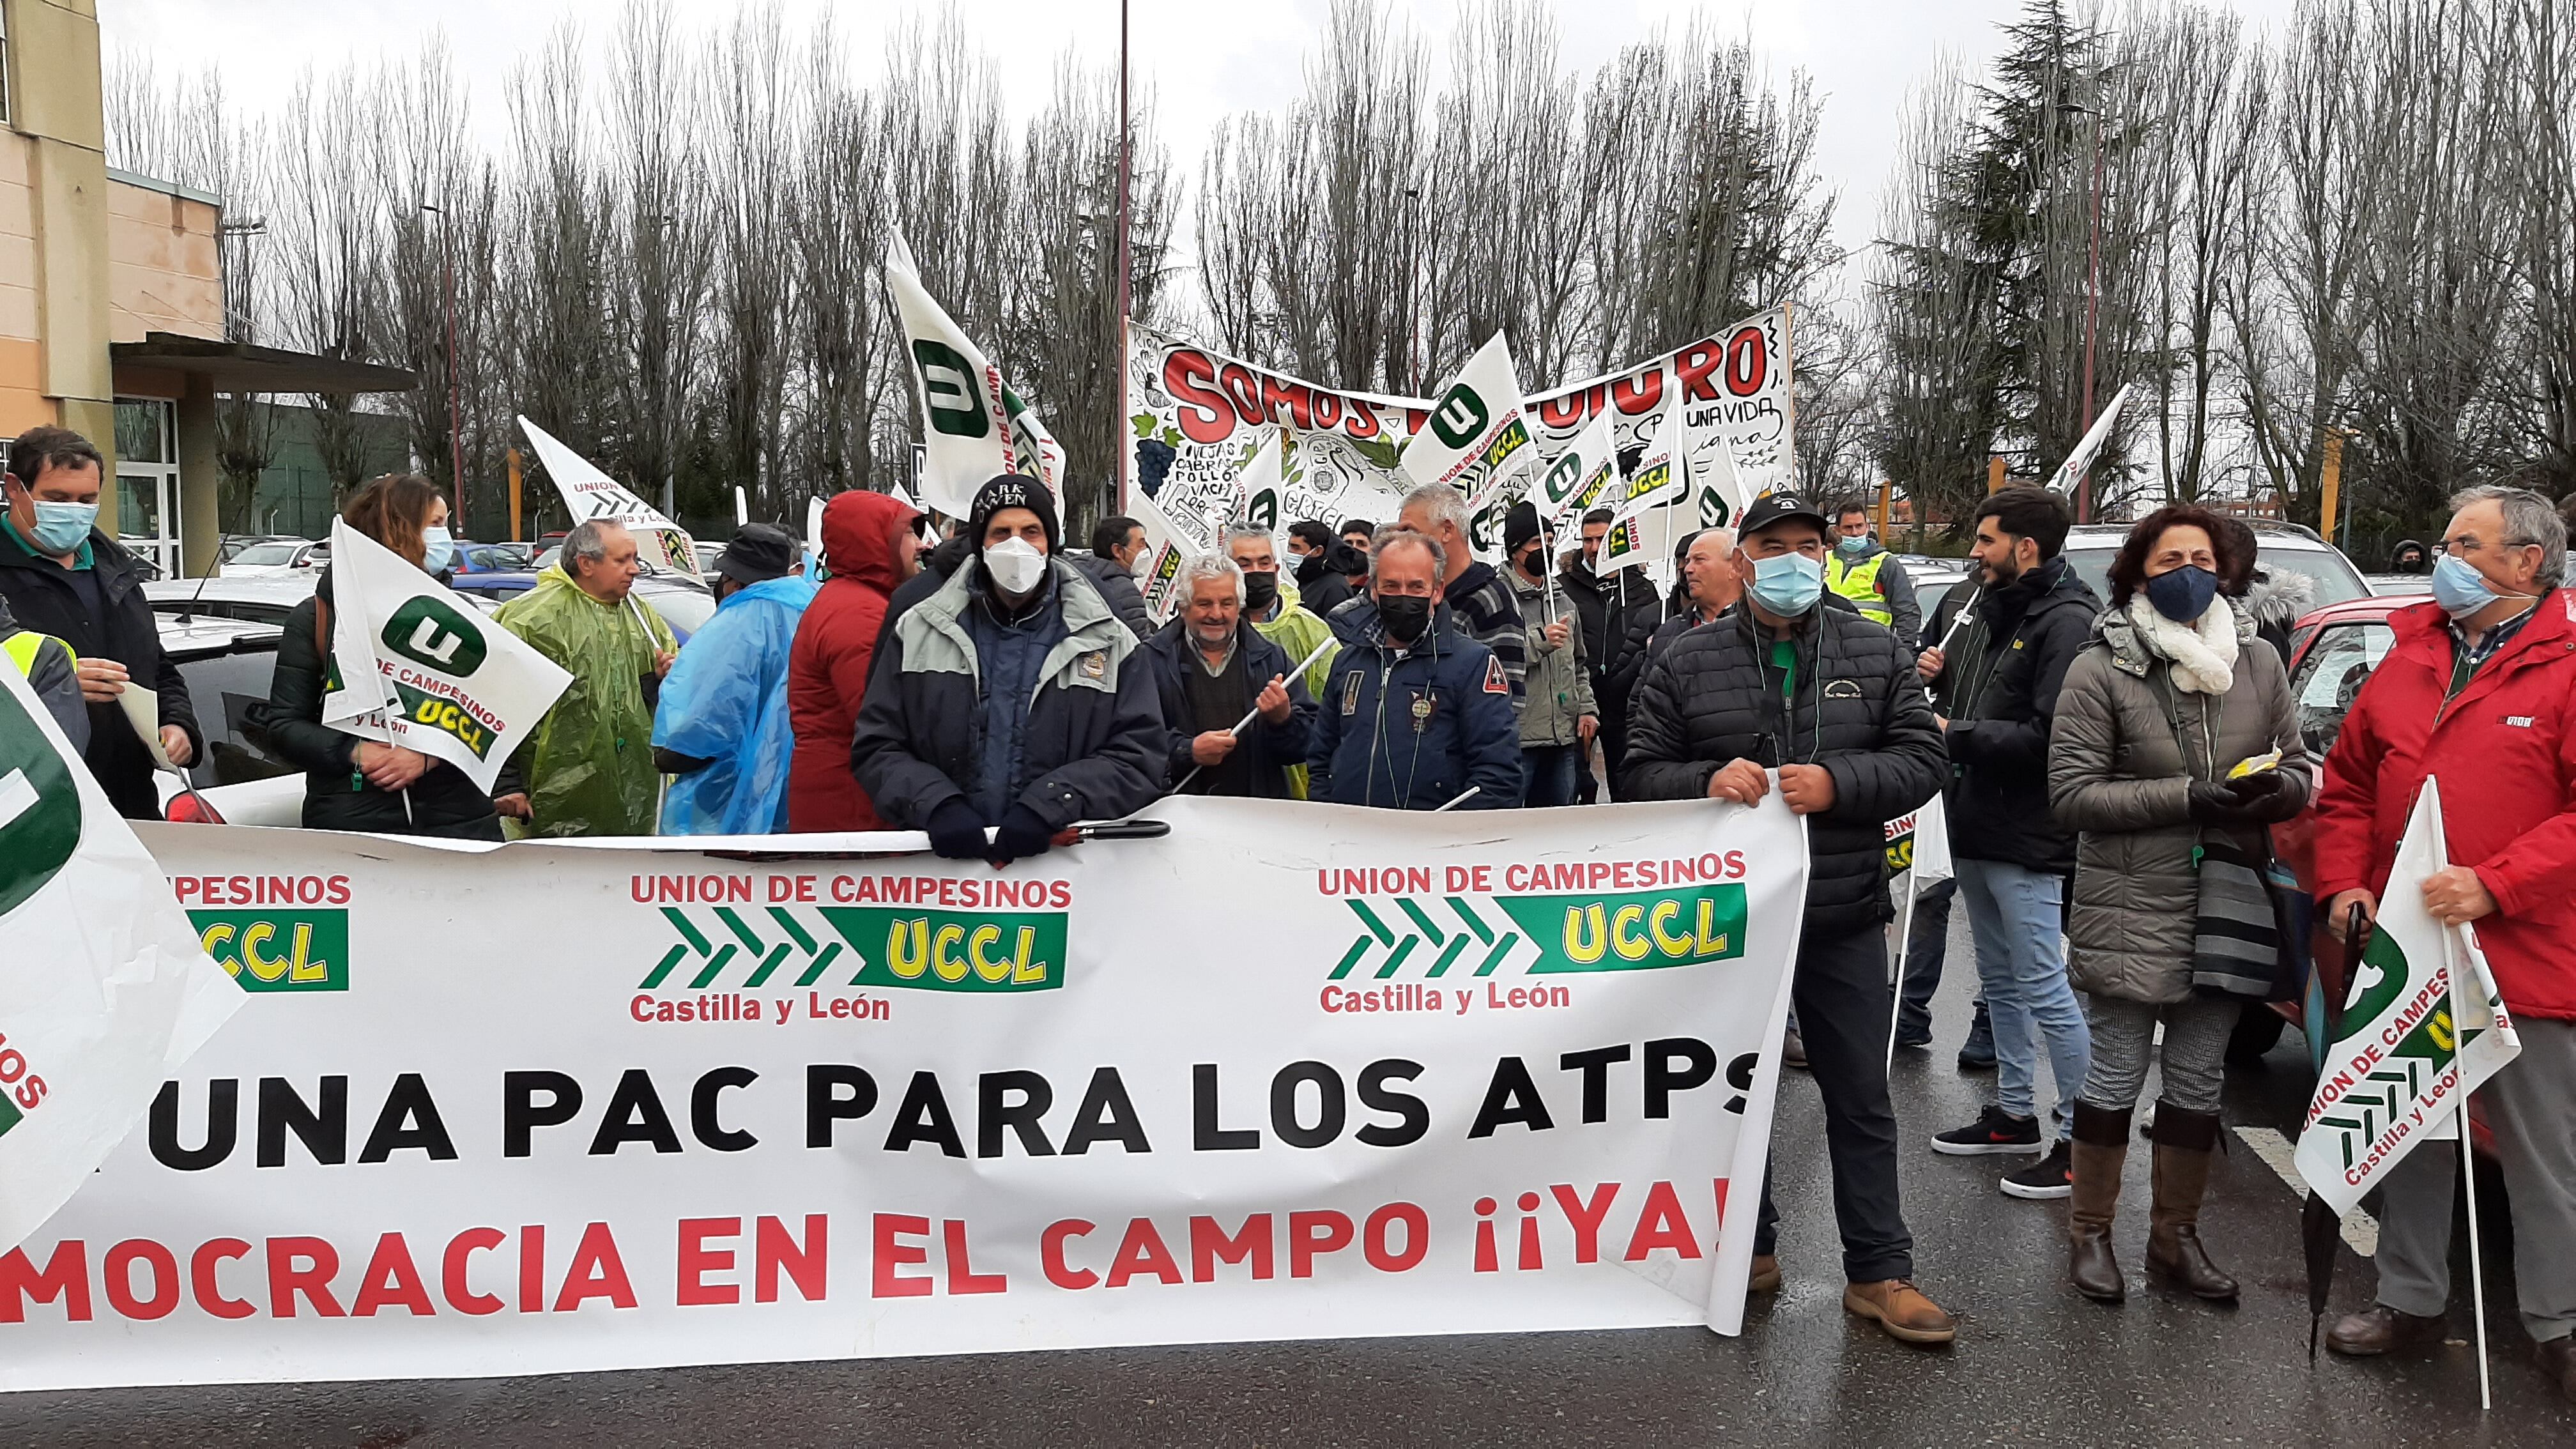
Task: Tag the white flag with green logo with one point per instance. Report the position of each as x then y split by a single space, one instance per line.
104 989
1477 441
1643 525
591 496
418 665
2413 1042
972 425
1579 479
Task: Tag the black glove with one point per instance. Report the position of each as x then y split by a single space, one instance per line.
956 831
2265 797
2215 804
1020 835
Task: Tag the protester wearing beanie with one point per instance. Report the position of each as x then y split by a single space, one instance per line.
1007 700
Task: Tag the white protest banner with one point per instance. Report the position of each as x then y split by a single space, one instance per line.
973 425
1919 841
1188 408
591 496
1477 442
104 990
1654 490
1736 411
2402 1064
2070 474
1199 507
809 1106
421 667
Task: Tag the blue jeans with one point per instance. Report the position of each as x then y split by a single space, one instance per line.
1547 774
2015 916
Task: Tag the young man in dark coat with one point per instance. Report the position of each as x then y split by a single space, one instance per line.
1605 605
64 577
1011 698
1793 680
2000 677
1212 668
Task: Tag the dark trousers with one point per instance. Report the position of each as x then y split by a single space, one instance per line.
1548 774
1926 942
1840 994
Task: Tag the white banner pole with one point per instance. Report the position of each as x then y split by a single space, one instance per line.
1245 723
1904 943
2452 955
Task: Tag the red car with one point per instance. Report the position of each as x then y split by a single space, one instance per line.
2332 651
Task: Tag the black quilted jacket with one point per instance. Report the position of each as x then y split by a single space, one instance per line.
1858 710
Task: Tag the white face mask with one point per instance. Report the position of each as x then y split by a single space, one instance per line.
1143 559
1016 566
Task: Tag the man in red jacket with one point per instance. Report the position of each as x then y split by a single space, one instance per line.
2479 691
870 543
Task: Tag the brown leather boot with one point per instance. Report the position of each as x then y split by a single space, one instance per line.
1900 1308
2100 1145
2184 1140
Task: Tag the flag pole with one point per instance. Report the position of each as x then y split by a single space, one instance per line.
2453 957
1904 943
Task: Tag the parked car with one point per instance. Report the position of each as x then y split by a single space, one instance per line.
1932 576
491 558
226 664
234 543
271 557
259 598
2385 584
684 606
2092 546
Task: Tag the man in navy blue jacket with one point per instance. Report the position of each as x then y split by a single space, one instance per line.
1414 713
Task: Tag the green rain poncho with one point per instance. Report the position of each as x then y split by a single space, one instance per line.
589 766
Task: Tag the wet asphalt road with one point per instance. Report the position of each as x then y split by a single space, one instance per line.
2034 1364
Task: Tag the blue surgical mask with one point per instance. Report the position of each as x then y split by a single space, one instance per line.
438 549
2457 586
1787 584
60 527
1858 545
2183 594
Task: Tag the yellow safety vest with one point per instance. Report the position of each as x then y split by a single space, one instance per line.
23 647
1859 583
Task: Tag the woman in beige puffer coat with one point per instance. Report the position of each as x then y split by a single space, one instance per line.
2172 693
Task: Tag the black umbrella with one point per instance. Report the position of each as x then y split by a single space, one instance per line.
2319 1224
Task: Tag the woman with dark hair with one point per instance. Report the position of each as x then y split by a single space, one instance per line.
2172 921
355 784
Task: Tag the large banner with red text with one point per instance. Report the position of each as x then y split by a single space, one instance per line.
1287 1072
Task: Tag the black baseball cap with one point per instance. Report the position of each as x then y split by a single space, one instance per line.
759 552
1771 508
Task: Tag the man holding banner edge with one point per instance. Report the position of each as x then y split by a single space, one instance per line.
1792 684
2477 691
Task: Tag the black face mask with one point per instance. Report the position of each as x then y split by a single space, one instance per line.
1404 615
1260 591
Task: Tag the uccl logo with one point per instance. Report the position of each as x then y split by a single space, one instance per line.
434 636
40 806
278 950
1548 934
902 946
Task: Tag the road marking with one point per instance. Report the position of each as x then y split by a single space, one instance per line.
2359 1231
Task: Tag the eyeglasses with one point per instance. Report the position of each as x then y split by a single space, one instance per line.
2466 548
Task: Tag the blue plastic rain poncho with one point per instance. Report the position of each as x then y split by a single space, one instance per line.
726 702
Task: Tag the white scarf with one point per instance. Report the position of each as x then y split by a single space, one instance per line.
2203 654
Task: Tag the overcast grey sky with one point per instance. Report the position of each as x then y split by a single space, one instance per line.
1204 58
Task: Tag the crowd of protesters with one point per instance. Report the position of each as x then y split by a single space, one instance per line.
2110 768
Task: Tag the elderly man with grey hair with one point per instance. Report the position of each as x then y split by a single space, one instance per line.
589 765
2478 691
1478 599
1237 722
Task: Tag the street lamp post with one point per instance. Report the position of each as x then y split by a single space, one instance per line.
2092 300
1126 226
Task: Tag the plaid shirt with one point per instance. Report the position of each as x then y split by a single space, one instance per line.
2466 657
